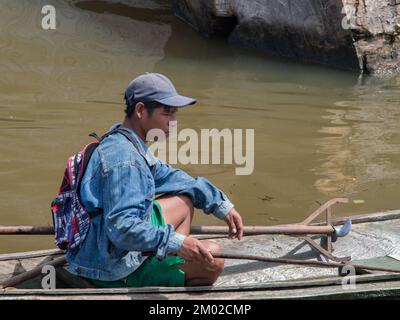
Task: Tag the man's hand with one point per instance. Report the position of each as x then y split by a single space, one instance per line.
192 250
235 224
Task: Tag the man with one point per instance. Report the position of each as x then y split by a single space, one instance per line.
118 189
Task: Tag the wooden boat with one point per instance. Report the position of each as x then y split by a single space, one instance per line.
375 243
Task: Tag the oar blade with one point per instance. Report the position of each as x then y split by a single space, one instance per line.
345 230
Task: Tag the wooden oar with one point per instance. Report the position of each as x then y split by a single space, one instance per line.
33 230
49 230
302 229
299 230
195 230
319 264
292 229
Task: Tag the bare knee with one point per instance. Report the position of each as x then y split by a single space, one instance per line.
212 246
218 265
178 211
205 274
215 270
188 202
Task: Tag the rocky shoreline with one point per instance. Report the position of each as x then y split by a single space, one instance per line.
348 34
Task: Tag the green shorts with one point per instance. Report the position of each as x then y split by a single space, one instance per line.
151 272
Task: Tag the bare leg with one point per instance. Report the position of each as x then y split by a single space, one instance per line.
204 274
178 211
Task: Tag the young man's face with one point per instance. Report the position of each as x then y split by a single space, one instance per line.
159 119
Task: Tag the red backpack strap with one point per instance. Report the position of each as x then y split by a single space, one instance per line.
86 155
66 183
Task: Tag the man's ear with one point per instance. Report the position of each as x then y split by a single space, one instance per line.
139 110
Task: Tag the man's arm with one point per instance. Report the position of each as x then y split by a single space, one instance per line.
125 193
202 192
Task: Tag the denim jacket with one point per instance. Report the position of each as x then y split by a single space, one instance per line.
118 190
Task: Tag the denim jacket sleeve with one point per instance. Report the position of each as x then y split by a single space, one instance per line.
203 193
124 204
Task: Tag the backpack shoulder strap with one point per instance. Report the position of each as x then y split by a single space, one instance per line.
131 139
94 135
117 130
86 153
128 136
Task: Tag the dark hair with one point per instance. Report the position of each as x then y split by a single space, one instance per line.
150 107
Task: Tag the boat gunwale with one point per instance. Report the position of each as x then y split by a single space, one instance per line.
363 291
274 285
361 218
30 254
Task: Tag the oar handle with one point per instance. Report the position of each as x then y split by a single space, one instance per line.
312 263
195 230
294 229
10 230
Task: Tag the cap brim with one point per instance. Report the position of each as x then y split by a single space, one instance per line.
177 101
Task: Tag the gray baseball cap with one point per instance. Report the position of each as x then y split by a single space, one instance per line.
155 87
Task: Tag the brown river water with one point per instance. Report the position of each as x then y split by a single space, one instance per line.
319 132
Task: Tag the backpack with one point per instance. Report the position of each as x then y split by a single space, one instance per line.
70 218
